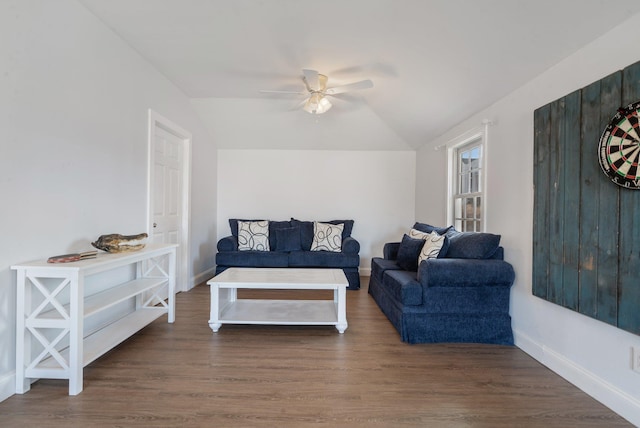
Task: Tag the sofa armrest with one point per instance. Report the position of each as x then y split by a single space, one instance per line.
390 250
350 245
228 243
465 273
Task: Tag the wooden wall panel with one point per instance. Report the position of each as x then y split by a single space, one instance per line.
608 224
541 202
629 245
586 232
556 201
591 177
571 228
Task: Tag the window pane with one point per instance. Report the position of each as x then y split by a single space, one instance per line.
464 162
458 208
479 207
474 187
469 208
465 186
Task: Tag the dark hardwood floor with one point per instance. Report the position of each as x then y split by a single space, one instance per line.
292 376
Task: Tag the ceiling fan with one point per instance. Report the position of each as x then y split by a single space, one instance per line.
317 91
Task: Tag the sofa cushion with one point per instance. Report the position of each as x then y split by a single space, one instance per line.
327 237
427 228
253 259
379 266
274 226
408 253
472 245
323 259
253 235
306 230
288 239
403 286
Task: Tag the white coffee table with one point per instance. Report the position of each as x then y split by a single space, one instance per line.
226 308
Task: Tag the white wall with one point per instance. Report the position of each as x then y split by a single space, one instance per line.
73 155
593 355
375 189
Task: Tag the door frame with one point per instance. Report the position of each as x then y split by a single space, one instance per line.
158 121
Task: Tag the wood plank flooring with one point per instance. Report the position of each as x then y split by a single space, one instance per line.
183 375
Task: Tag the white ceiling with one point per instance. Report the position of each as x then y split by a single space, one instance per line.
433 62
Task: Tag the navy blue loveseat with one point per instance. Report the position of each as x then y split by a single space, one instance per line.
461 296
290 246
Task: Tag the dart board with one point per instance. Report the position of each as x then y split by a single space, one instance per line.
619 148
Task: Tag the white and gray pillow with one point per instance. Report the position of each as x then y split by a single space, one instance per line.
253 235
327 237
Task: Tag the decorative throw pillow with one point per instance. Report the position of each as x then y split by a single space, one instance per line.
417 234
408 252
327 237
288 239
473 245
253 235
432 247
442 252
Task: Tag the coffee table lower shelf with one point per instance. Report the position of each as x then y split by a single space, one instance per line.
282 312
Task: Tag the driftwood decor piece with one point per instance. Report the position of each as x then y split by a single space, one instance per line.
116 243
586 229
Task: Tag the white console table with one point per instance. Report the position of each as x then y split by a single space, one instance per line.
56 323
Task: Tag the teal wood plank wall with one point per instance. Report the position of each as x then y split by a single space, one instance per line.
586 229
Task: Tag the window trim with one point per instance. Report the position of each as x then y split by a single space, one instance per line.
481 134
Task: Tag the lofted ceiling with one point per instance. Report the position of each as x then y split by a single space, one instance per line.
433 62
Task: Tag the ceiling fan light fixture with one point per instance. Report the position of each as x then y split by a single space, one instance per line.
317 104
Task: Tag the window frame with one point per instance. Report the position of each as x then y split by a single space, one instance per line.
475 137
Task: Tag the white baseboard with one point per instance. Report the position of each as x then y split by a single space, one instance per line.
7 385
617 400
202 277
365 271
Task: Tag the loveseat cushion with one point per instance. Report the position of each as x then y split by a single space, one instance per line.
403 286
472 245
252 258
323 259
379 266
465 273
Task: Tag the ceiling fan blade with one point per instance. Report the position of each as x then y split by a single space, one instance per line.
363 84
311 80
284 92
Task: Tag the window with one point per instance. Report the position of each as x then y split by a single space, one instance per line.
467 194
467 199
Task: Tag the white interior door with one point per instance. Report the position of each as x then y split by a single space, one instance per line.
169 152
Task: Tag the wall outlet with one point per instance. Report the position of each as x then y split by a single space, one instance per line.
635 359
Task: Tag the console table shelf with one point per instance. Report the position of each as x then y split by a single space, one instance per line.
47 322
